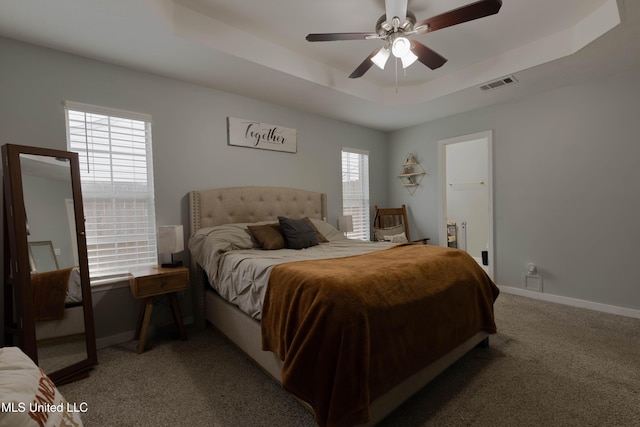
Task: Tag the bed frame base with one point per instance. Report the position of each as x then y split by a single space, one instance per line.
245 332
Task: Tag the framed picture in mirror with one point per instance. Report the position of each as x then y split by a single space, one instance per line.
42 257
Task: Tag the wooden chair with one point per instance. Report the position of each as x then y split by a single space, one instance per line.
392 217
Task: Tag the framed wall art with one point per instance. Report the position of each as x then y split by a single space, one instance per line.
254 134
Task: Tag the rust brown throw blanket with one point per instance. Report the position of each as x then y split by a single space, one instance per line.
349 329
49 292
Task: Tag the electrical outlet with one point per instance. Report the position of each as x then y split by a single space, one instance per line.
532 282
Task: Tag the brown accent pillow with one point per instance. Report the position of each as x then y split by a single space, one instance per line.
268 236
321 237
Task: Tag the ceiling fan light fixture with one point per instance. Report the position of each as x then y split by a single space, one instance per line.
398 23
408 59
400 47
380 58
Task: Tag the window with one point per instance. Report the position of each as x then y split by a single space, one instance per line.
114 149
355 191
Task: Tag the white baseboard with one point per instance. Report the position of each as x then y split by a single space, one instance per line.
128 336
612 309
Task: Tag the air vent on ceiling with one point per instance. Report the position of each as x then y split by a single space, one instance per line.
499 83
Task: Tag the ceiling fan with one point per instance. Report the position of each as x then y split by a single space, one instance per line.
398 23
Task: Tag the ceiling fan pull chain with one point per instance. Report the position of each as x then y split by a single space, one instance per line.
396 74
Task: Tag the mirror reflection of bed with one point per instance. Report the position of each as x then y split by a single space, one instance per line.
53 259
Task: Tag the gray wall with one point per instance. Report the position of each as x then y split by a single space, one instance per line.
189 139
566 165
46 209
566 181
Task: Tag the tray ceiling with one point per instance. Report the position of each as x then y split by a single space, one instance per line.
258 49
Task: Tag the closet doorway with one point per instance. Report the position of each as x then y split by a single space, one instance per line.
466 196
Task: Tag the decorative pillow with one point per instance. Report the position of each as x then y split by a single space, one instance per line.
268 236
298 233
321 237
384 234
29 397
397 238
328 231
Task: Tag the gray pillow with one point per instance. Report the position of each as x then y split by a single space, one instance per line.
298 233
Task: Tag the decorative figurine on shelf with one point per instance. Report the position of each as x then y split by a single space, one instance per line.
411 158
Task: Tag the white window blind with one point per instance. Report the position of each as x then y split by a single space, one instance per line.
355 191
114 149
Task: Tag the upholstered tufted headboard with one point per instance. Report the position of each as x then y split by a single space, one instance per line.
252 204
218 206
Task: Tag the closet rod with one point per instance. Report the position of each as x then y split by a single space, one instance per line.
466 183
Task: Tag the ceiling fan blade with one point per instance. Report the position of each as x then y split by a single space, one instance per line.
364 67
472 11
427 56
330 37
396 8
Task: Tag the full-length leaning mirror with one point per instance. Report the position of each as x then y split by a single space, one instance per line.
48 309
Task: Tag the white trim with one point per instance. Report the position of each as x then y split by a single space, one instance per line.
108 283
355 150
358 199
114 112
442 177
596 306
86 136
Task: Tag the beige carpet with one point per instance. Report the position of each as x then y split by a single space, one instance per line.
548 365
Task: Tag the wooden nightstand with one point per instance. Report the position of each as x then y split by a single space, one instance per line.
151 282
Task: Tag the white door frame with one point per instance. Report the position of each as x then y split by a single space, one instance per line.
442 189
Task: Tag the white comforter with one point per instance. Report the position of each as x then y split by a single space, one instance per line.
239 272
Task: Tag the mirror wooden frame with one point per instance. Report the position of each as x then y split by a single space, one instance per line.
19 314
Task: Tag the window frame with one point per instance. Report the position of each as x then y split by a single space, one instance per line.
357 203
130 185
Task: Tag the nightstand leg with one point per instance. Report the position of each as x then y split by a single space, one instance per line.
143 306
177 315
148 308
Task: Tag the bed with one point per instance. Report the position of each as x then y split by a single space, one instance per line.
337 328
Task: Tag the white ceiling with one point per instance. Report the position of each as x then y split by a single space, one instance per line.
257 48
